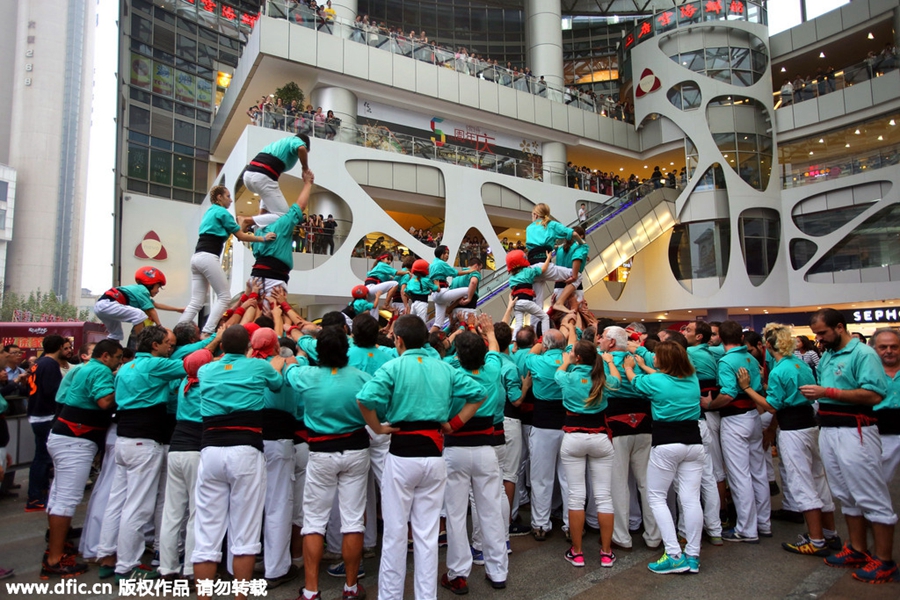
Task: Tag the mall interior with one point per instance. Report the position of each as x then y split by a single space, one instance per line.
446 121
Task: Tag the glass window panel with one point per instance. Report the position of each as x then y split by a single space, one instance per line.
165 17
138 119
187 48
746 142
691 94
182 195
141 29
206 55
717 58
137 186
772 244
740 58
160 167
138 158
185 111
183 172
827 221
723 75
753 227
802 252
181 149
184 132
141 68
162 144
742 78
187 25
201 168
139 137
163 56
749 169
724 141
206 34
203 137
753 254
758 61
4 191
160 191
674 96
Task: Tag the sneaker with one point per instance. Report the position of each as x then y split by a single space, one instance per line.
457 585
139 572
497 585
338 570
877 571
540 534
848 557
834 543
318 595
765 534
359 594
693 562
6 573
35 506
516 530
804 545
789 516
477 556
107 571
575 558
65 568
730 535
774 490
715 540
667 564
155 561
291 574
607 560
442 539
369 553
508 548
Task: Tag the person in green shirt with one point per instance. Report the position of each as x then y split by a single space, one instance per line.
440 273
540 238
262 174
851 382
522 279
419 288
132 304
676 454
798 441
886 342
466 305
382 277
571 255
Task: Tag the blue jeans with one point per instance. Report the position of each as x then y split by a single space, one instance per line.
39 474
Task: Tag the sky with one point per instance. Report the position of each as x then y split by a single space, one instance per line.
98 239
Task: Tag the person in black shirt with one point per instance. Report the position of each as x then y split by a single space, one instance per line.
328 228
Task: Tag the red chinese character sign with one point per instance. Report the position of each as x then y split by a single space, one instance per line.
665 19
736 7
714 7
647 84
687 11
645 29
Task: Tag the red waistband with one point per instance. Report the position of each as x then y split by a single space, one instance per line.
487 431
79 429
433 434
235 428
630 419
328 438
266 167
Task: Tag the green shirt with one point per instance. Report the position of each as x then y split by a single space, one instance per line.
236 383
538 235
66 383
576 386
307 343
283 399
361 305
671 398
144 382
509 375
704 361
138 296
463 281
441 270
785 380
489 377
420 286
285 150
543 374
524 276
181 351
329 396
855 366
281 247
626 389
188 404
727 371
218 221
382 271
367 360
892 399
565 258
93 381
416 387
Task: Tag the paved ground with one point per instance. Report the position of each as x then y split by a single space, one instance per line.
538 570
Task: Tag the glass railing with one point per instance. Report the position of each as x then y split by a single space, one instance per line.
826 83
796 175
382 138
376 37
495 282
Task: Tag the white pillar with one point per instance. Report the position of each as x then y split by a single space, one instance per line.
345 11
554 162
343 102
543 40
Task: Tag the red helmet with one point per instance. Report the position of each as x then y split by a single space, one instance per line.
149 276
420 267
516 259
360 292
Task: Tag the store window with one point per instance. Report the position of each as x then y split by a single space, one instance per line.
760 235
160 167
138 159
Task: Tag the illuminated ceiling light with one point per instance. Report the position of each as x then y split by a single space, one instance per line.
892 123
746 309
856 132
671 164
783 70
821 141
846 145
646 167
518 234
810 152
690 311
621 168
880 138
725 155
821 55
871 36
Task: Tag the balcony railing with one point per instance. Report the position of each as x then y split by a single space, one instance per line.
826 83
796 175
375 37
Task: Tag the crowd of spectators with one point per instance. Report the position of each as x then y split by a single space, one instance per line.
612 184
827 80
271 112
315 235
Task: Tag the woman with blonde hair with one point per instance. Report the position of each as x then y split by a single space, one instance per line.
540 238
798 441
206 269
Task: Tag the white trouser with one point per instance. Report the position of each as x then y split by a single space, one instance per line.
766 420
512 459
746 468
93 520
72 458
142 460
301 459
709 491
632 453
279 506
714 424
268 285
112 517
543 447
160 498
787 498
890 455
206 270
580 451
383 288
412 491
443 299
420 309
849 453
476 467
554 273
477 535
181 481
112 315
231 491
537 313
344 474
270 197
523 477
683 464
805 474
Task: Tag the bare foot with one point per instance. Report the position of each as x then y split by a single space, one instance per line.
561 308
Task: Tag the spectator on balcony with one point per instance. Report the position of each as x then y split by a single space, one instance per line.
656 178
319 120
328 229
888 58
332 125
787 92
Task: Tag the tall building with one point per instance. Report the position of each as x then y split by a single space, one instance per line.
46 102
788 198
